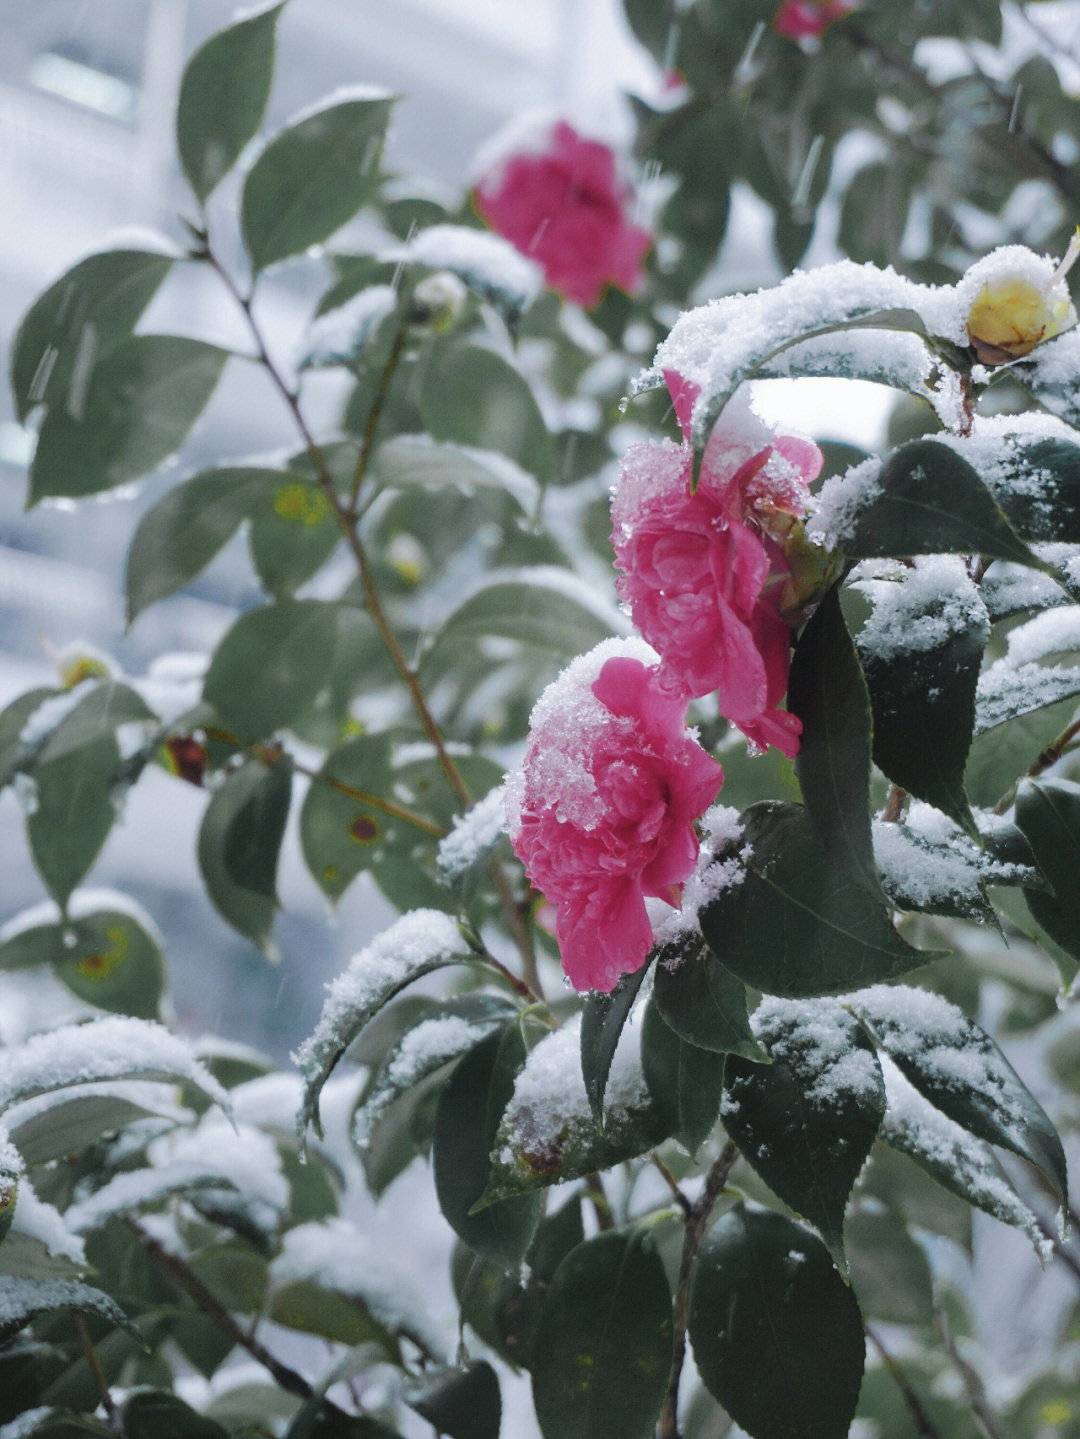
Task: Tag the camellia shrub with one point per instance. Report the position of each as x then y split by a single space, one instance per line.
708 805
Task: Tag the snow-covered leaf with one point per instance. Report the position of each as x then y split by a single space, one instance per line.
602 1021
51 1126
548 1133
487 263
114 1048
333 1259
953 1156
11 1168
414 945
807 1121
920 651
417 462
23 1299
1006 691
961 1071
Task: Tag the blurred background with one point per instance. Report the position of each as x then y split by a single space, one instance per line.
87 101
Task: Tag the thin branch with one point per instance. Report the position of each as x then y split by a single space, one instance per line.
116 1422
269 756
673 1184
190 1282
696 1225
973 1385
1050 755
368 442
923 1423
601 1204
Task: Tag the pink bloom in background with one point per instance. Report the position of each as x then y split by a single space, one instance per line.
602 812
701 573
560 201
807 19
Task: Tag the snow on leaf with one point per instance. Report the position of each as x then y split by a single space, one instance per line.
962 1072
1005 691
956 1159
474 834
22 1299
417 944
43 1223
334 1255
116 1048
487 263
338 336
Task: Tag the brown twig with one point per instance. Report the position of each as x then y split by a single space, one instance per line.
923 1423
601 1204
697 1223
1050 755
673 1184
367 444
116 1422
190 1282
973 1385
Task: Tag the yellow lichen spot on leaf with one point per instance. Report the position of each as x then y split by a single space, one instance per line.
1057 1412
330 873
101 965
301 504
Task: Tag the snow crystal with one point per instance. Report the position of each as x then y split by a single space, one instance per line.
815 1036
912 1124
930 603
400 953
841 499
473 834
712 874
549 1100
334 1255
485 261
919 877
213 1154
425 1048
21 1298
37 1220
113 1048
566 726
337 336
1052 633
1005 690
1008 588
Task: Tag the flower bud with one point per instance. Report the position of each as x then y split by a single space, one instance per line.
811 571
80 662
438 300
1021 302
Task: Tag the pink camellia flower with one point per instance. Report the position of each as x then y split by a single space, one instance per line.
704 573
602 811
559 199
807 19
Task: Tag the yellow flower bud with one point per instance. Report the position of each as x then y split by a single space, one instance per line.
1021 302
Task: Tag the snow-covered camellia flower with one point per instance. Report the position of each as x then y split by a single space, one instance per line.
1017 300
559 199
807 19
602 811
704 573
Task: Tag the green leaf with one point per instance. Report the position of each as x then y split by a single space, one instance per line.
602 1022
828 693
926 688
133 410
178 537
540 617
223 96
293 533
703 1002
466 1125
684 1080
417 462
460 1403
341 836
114 963
71 1123
155 1415
80 318
603 1346
312 177
807 1121
472 396
73 813
13 753
270 665
909 1193
1038 487
890 1273
1007 692
25 1299
105 706
1048 812
796 925
239 842
1001 755
777 1334
927 500
961 1071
